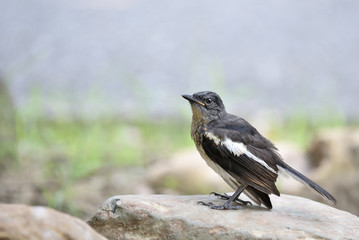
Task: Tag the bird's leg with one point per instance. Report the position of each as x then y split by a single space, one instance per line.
225 196
226 205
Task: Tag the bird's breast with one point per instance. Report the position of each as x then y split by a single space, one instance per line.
197 130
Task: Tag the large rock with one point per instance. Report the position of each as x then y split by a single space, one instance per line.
180 217
19 222
335 155
339 148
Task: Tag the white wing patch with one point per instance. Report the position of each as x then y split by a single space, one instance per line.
237 149
213 137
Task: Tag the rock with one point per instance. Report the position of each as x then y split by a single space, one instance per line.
180 217
335 155
18 222
335 151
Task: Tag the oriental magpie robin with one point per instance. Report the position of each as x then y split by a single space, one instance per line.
233 148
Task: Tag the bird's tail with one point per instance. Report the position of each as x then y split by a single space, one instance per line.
285 168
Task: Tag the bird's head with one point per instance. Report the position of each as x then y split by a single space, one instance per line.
206 105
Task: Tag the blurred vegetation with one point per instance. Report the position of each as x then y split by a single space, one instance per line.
7 129
74 149
300 129
88 145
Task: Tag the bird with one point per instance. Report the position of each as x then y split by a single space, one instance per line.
246 160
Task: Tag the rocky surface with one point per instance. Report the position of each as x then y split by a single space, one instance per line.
19 222
180 217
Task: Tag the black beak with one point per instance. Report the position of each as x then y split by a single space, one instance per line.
192 100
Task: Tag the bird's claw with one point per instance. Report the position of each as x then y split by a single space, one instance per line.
219 207
245 203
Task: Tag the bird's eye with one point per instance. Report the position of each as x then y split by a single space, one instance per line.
209 100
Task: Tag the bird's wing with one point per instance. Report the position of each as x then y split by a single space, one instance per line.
243 154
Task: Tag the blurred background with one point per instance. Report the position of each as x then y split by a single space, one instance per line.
91 106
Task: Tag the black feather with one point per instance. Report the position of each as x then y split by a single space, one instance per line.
306 181
260 196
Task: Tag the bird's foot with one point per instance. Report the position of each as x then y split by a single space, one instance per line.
225 196
219 207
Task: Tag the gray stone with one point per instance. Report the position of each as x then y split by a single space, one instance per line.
335 155
180 217
20 222
338 148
